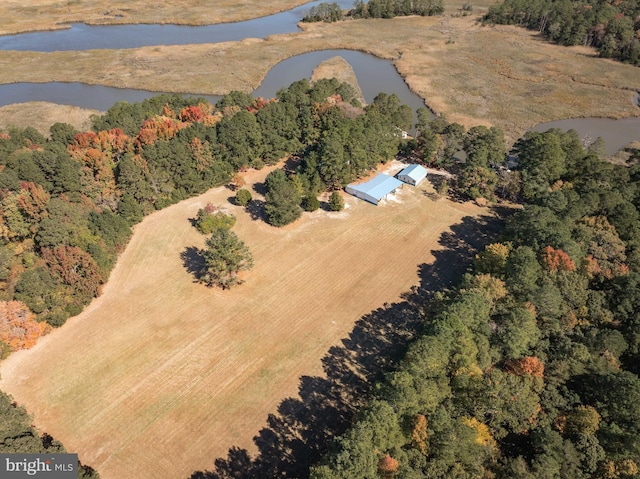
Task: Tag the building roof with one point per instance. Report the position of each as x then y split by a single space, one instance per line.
416 172
377 187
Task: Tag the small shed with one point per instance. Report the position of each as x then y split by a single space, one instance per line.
375 189
413 174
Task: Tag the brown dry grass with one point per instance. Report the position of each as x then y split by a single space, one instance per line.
503 76
41 115
160 375
28 15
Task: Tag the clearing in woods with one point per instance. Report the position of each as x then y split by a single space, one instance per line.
160 375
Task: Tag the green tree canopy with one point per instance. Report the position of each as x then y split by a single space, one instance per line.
225 256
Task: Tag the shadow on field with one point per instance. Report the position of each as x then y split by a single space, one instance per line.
193 261
255 208
301 429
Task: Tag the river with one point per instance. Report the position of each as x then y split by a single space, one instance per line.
89 37
374 75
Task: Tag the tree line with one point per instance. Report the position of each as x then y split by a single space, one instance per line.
17 435
529 368
332 12
611 27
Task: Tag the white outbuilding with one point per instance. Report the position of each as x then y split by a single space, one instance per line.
413 174
375 189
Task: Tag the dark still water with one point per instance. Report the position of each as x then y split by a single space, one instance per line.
96 97
85 37
375 75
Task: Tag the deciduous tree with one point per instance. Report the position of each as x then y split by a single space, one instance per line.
18 326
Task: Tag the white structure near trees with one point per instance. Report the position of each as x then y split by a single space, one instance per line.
375 189
413 174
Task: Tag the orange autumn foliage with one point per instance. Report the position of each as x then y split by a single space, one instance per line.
419 433
388 466
557 260
259 104
18 326
192 114
158 128
527 366
98 153
74 267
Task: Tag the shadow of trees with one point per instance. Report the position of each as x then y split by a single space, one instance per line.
256 211
260 188
301 429
193 262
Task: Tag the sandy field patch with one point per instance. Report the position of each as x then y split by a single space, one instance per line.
161 374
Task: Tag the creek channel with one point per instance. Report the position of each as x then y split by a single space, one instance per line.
374 75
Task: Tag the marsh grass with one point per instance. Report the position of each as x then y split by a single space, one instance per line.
493 75
28 15
41 115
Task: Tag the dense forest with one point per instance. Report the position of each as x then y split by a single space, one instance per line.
529 368
613 27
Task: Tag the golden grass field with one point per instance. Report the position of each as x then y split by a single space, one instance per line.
160 375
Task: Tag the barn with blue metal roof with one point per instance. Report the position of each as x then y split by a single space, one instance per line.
375 189
413 174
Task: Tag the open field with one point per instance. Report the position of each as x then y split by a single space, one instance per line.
27 15
160 374
502 76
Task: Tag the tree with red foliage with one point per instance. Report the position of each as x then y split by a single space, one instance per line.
74 267
18 326
557 260
192 113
